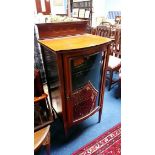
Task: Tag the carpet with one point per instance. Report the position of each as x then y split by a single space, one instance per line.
109 143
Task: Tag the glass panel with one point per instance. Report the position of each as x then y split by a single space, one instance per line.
86 76
51 68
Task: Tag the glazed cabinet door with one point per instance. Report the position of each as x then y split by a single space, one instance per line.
83 73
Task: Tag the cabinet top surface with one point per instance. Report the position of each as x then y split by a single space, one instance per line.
74 42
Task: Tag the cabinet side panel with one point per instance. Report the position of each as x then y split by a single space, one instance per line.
53 83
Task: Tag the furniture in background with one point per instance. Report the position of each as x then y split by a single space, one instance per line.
105 24
115 56
38 63
43 6
118 19
82 9
118 91
43 113
102 31
114 64
113 19
42 138
81 63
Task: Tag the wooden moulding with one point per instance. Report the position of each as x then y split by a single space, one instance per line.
73 43
50 30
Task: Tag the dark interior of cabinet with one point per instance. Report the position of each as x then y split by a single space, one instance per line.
84 72
85 76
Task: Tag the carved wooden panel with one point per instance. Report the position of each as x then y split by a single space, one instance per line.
50 30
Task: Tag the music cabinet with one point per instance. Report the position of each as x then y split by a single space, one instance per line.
79 62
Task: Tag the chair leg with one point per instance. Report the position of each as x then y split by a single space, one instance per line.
118 92
110 79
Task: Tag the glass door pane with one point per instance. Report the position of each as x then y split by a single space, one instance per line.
85 77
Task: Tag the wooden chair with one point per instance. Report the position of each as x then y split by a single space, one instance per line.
118 89
114 64
92 31
118 19
103 31
115 56
104 23
118 95
42 138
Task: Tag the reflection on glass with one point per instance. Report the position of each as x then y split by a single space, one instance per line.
86 76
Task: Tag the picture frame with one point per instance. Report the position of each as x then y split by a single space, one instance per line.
87 14
75 12
81 13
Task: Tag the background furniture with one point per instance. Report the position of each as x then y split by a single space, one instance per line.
82 6
114 63
102 31
38 63
43 113
42 138
81 62
118 92
118 19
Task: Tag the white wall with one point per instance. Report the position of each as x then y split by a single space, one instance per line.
101 8
98 10
112 5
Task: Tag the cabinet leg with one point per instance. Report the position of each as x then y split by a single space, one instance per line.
100 114
110 80
48 149
65 131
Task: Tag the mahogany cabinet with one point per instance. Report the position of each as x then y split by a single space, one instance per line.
80 64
